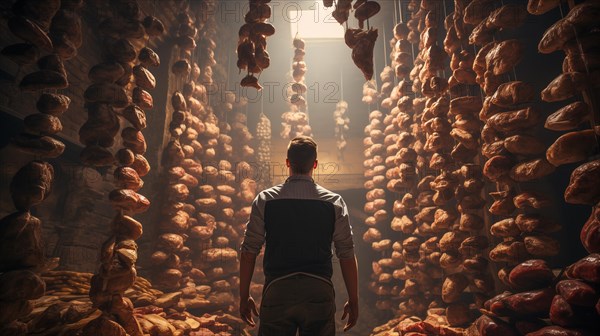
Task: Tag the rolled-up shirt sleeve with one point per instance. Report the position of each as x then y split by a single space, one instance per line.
342 234
254 237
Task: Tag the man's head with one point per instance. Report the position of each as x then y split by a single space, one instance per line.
302 155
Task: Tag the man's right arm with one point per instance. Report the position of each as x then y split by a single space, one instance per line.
344 248
350 273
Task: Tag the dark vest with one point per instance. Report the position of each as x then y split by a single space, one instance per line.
298 237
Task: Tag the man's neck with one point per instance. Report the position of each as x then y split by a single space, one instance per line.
307 175
293 174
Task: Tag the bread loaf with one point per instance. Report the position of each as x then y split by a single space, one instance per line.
148 57
21 245
43 79
141 165
531 170
30 32
513 93
530 199
497 167
44 146
504 56
539 7
136 116
52 62
127 178
32 184
514 120
583 185
568 117
153 26
524 145
42 124
572 147
541 246
21 53
565 86
144 78
106 94
126 227
142 98
53 103
107 72
134 140
590 233
128 200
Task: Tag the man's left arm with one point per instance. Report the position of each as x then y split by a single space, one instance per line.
254 238
247 304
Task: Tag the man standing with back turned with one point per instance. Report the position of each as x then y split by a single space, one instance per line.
298 220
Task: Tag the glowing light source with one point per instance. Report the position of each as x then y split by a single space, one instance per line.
316 22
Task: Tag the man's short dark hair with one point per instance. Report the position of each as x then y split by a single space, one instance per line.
302 153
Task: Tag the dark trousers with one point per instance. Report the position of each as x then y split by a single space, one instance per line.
299 303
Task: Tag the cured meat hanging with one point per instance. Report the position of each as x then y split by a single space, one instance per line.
209 190
370 95
263 150
569 34
501 122
44 29
252 44
190 162
379 142
361 41
295 122
113 90
112 93
362 44
505 145
463 154
341 126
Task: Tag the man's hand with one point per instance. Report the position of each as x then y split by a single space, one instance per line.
247 308
350 310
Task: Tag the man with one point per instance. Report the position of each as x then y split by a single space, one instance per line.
298 220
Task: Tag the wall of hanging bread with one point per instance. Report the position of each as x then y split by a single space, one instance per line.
464 136
484 224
